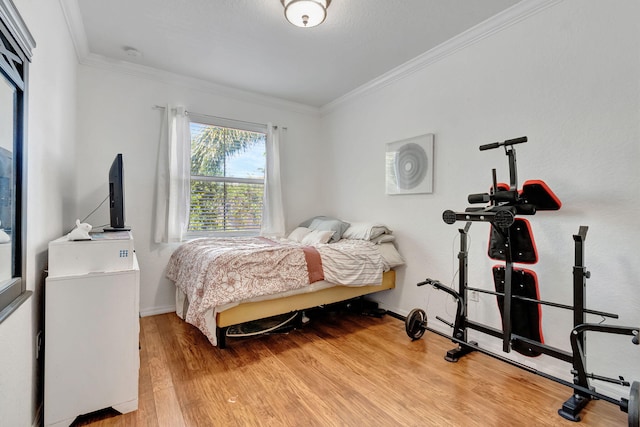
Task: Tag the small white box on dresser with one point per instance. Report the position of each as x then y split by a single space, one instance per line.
105 252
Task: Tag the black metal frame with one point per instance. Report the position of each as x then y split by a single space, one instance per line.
582 391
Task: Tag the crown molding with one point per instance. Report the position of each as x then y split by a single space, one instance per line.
493 25
71 12
141 71
85 57
14 22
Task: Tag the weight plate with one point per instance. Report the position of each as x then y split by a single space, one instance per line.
634 405
416 323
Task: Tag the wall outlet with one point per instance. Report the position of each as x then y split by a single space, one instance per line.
473 296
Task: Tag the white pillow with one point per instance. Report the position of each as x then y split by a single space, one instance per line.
365 230
390 254
298 234
317 236
383 238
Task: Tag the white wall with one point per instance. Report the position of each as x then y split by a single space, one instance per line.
116 114
567 77
51 199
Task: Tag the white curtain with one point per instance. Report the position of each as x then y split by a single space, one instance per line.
273 211
173 175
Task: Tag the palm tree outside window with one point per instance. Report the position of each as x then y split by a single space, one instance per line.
227 177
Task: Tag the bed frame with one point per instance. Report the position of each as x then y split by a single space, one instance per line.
247 312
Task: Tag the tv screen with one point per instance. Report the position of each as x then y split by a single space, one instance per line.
116 196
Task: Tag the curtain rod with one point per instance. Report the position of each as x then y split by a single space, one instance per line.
161 107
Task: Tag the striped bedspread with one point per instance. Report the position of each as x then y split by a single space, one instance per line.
352 262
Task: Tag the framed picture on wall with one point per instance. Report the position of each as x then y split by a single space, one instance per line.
409 165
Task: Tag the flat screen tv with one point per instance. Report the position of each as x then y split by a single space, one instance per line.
116 196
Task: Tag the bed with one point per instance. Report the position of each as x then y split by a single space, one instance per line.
221 282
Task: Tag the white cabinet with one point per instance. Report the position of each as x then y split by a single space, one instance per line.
91 339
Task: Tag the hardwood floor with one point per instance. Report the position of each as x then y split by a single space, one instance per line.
339 370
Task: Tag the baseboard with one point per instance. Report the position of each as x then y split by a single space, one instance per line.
396 315
157 310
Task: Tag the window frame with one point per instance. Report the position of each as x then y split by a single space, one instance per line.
232 124
14 68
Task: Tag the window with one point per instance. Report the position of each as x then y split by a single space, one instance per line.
16 44
228 161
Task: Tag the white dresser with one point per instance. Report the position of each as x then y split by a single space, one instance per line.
91 327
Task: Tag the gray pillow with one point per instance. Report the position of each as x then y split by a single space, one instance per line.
324 223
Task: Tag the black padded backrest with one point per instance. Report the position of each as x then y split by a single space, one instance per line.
526 316
523 247
538 193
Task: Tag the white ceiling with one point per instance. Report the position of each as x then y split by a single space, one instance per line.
248 44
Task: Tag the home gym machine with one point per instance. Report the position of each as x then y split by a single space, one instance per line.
516 290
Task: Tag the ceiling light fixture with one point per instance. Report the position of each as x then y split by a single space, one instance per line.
305 13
